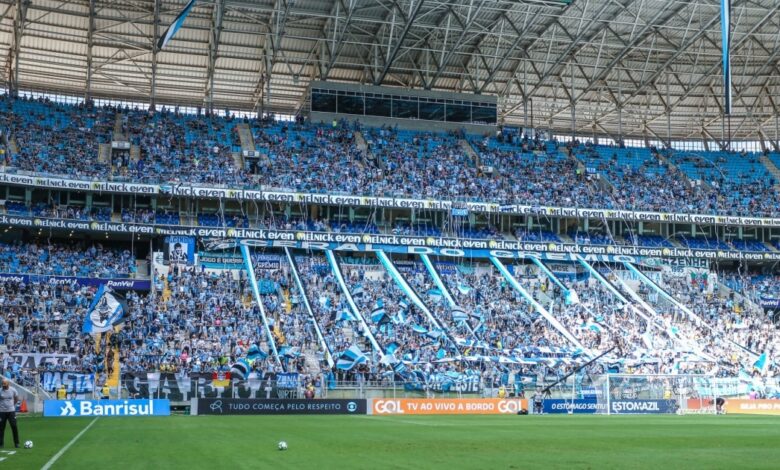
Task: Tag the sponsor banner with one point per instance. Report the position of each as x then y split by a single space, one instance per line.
578 406
753 407
769 303
36 360
642 406
451 247
202 192
424 406
74 382
78 408
237 406
77 185
115 284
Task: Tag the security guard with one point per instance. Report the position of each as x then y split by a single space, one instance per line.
105 392
62 392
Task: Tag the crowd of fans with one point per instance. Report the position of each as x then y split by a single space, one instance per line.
329 158
199 321
57 259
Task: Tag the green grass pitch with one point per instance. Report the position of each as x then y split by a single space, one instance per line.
403 442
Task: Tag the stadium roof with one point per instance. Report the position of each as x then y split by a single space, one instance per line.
658 61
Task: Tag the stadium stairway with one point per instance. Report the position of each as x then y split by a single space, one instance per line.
104 153
772 168
238 160
119 135
602 182
135 153
311 363
362 145
63 336
287 303
245 136
726 291
13 147
470 152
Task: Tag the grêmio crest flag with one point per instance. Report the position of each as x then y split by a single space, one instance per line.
107 310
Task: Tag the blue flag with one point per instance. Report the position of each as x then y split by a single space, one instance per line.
379 316
345 315
175 26
400 318
392 347
357 291
761 364
458 314
350 358
107 310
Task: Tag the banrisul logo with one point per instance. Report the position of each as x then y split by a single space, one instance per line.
70 408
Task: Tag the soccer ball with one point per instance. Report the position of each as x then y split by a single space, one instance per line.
28 444
282 445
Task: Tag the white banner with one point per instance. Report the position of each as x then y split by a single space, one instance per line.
35 360
203 192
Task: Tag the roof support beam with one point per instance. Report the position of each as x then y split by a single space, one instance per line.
414 9
155 51
214 36
470 19
339 34
20 18
90 44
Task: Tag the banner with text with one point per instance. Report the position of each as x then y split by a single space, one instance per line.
79 408
116 284
753 407
36 360
237 406
424 406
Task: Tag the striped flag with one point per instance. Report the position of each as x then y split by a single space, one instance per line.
379 316
350 358
404 304
458 314
400 318
175 26
357 291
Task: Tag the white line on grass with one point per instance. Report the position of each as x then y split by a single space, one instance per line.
67 446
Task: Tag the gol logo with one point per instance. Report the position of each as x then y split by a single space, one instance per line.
509 406
388 407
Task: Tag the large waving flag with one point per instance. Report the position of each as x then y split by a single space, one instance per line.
357 291
175 26
345 315
350 358
761 364
458 314
379 316
107 310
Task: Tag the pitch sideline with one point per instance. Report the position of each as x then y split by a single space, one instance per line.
67 446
